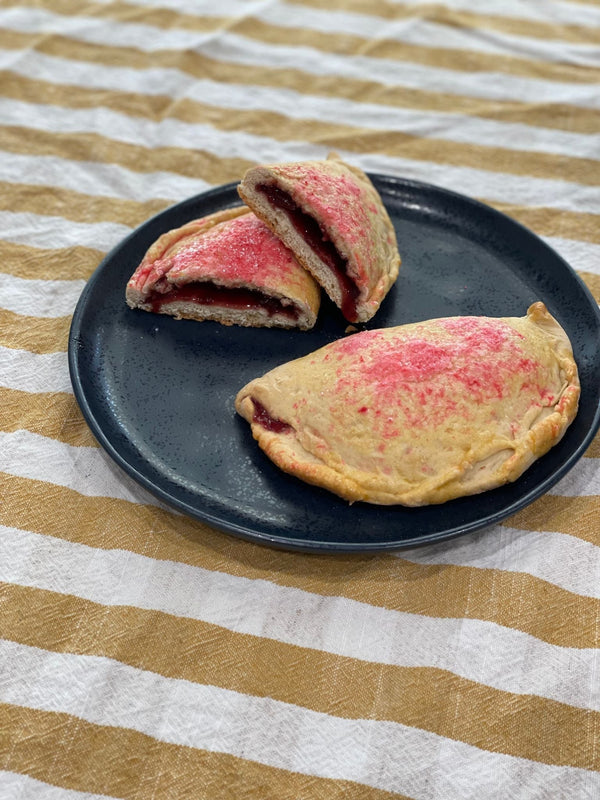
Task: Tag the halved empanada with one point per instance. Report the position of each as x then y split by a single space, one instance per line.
226 267
332 218
420 413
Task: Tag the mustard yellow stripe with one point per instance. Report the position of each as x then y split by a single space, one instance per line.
76 206
193 163
34 90
332 135
36 334
593 450
197 651
460 60
592 281
496 159
459 18
52 414
575 515
510 599
543 115
432 12
545 221
247 25
68 752
64 263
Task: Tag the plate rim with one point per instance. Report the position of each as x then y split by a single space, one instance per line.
317 546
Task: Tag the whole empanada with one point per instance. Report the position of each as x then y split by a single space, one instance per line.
420 413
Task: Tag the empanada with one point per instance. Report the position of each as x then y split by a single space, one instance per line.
332 218
227 267
420 413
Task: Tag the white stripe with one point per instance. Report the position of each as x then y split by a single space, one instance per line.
97 179
106 692
33 372
37 298
241 50
501 657
411 31
295 105
37 230
87 470
559 558
583 480
14 786
523 190
581 256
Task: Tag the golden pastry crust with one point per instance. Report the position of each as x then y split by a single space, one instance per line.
422 413
226 267
350 215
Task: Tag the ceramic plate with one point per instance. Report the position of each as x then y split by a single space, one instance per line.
158 393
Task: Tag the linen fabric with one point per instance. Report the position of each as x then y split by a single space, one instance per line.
145 655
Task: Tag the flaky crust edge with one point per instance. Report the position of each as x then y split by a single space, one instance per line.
289 455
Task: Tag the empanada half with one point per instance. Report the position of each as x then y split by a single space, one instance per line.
332 218
226 267
421 413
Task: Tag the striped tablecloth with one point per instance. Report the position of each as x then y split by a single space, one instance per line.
144 655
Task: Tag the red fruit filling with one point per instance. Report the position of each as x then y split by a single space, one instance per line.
209 294
317 240
262 417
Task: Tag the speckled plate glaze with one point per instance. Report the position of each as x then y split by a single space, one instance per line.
158 393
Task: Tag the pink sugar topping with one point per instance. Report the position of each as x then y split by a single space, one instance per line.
477 332
336 198
426 373
341 203
356 344
241 250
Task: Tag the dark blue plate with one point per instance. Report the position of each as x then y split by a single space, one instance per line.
158 393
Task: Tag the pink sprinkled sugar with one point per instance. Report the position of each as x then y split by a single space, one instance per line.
428 375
